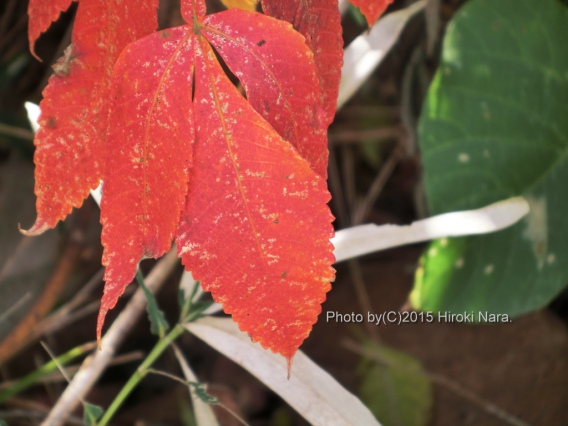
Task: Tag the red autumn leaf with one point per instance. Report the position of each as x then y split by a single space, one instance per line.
372 9
149 155
256 227
286 93
193 10
238 183
251 197
320 23
42 13
69 152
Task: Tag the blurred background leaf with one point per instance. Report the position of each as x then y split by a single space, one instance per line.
395 387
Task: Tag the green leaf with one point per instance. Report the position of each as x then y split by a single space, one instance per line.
188 299
158 323
91 414
494 125
396 389
357 16
201 392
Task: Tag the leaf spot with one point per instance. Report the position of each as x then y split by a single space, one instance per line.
536 231
62 67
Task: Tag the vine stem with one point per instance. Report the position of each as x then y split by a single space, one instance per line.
93 366
141 372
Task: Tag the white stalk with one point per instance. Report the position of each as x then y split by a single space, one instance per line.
360 240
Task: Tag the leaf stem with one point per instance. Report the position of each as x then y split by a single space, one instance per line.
141 372
196 23
27 381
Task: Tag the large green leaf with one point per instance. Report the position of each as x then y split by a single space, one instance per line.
495 125
396 389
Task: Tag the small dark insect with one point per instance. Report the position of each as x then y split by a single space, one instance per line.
260 43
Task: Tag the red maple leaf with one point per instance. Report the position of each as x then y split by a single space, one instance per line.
74 110
250 195
372 9
320 23
238 183
42 13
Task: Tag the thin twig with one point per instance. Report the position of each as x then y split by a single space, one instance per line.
81 296
168 375
358 136
381 113
94 365
55 324
18 132
71 370
408 116
204 414
348 168
16 306
28 414
186 383
360 214
364 302
55 361
487 406
363 296
63 316
432 15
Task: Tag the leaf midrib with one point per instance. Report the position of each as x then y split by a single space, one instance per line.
228 140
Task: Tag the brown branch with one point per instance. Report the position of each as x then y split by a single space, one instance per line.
358 136
16 131
23 334
377 186
94 365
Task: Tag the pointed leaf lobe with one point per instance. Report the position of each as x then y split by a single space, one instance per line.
279 75
150 150
252 199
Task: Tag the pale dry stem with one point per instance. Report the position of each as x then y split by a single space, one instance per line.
94 365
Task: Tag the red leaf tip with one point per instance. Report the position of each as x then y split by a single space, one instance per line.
37 229
100 322
289 360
